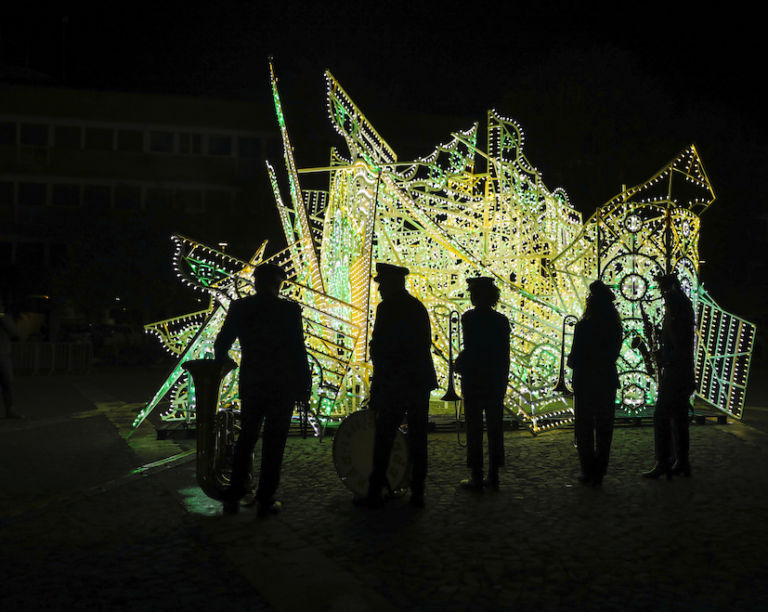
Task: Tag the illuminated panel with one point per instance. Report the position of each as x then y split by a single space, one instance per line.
723 355
446 222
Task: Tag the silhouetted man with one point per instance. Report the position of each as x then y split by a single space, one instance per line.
403 376
677 382
274 374
484 369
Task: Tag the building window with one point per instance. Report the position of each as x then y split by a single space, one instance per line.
190 144
7 133
6 253
189 201
130 140
58 255
219 202
29 254
6 202
161 142
219 145
67 137
97 197
274 148
159 198
249 148
32 194
99 139
67 195
127 197
34 134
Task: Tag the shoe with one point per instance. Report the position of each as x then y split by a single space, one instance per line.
417 499
658 470
10 414
492 482
231 506
681 468
473 484
249 499
267 508
585 479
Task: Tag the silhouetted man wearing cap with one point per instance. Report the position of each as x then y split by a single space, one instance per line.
403 376
484 369
677 382
274 374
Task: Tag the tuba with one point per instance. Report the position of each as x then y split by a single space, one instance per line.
215 430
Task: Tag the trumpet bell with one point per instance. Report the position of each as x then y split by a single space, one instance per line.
450 394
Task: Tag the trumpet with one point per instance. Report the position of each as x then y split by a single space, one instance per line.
561 387
454 322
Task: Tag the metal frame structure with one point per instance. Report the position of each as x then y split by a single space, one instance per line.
446 221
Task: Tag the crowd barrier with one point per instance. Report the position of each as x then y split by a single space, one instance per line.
51 357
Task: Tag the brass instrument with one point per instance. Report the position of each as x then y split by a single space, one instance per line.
650 346
454 322
561 387
215 430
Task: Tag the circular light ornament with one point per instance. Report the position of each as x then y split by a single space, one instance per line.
633 287
632 397
633 223
686 228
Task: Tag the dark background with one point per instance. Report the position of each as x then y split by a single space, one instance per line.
605 97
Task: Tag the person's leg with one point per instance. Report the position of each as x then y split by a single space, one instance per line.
418 424
662 434
494 418
473 415
604 433
388 419
681 435
584 424
252 416
6 384
277 422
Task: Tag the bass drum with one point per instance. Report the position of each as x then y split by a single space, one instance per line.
353 454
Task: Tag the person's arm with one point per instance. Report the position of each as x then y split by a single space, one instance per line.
227 334
300 350
575 356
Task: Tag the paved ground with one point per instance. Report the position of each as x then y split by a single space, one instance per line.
84 526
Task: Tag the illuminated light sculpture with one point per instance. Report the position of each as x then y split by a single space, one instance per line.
447 221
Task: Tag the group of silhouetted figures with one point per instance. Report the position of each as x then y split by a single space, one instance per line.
274 375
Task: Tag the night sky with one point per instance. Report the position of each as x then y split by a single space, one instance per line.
602 103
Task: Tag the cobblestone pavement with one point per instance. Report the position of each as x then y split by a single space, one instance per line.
149 539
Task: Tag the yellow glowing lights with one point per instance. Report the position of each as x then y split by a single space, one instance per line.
446 222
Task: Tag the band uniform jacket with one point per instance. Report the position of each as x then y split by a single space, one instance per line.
594 351
273 355
401 344
484 362
677 343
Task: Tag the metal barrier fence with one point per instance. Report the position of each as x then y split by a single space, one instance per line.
51 357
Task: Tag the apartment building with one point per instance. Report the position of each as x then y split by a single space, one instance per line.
65 154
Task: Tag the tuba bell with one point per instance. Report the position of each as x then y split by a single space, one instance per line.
215 430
